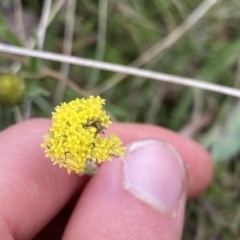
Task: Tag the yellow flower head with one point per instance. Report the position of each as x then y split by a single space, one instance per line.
76 135
12 89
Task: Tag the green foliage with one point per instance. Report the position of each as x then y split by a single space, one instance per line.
223 140
216 215
6 34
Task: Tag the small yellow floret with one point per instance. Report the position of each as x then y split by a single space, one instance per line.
75 136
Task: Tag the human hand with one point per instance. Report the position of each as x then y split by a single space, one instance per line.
140 197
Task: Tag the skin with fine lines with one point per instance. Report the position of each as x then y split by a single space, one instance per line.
99 206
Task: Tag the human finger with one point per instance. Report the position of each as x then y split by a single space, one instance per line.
32 190
197 160
141 196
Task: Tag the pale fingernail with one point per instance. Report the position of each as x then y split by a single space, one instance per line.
154 173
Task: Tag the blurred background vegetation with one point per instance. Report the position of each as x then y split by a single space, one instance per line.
119 32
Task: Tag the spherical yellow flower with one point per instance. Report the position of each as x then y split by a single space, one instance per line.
11 89
76 135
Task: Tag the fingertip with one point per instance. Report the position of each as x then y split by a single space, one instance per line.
198 161
141 196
